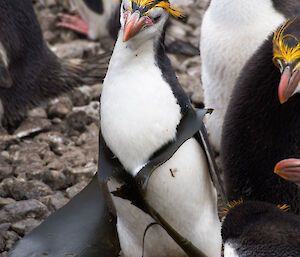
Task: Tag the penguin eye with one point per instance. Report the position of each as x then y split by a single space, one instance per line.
156 14
156 19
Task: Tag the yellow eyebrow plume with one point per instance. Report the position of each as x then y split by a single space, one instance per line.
231 205
175 12
284 207
280 49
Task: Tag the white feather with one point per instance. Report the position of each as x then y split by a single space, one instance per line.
229 250
3 55
231 32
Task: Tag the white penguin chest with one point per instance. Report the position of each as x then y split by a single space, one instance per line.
139 112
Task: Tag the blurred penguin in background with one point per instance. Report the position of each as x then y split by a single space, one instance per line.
262 123
99 19
232 30
29 72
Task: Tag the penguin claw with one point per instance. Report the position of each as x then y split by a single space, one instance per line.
74 23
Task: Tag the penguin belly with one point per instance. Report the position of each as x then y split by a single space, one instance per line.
182 192
229 37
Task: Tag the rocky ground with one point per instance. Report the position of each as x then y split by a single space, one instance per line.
52 154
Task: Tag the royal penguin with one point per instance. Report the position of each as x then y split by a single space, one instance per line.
262 123
255 228
289 169
232 30
142 104
29 72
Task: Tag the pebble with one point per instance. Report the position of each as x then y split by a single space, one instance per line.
21 189
22 227
22 210
60 107
74 190
54 202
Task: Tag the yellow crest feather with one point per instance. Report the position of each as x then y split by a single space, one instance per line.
175 12
231 205
284 207
282 50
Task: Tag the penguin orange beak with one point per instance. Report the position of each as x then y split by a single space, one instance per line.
288 84
133 25
289 169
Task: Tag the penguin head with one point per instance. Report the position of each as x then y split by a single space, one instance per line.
286 56
142 20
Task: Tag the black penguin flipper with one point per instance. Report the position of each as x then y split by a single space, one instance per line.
84 227
95 5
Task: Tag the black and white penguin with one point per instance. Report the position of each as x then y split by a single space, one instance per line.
261 229
289 169
97 18
232 30
142 104
262 123
29 72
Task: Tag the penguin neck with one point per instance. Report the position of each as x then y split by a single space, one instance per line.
139 110
239 12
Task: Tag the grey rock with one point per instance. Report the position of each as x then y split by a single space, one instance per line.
74 190
11 238
5 201
32 126
5 169
22 227
74 157
55 179
38 112
82 96
60 107
78 120
21 189
4 227
54 202
22 210
75 49
2 244
92 110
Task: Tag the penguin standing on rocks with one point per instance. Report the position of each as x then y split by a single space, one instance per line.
29 72
142 104
261 229
262 123
232 30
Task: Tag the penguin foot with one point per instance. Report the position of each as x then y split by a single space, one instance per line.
74 23
289 169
